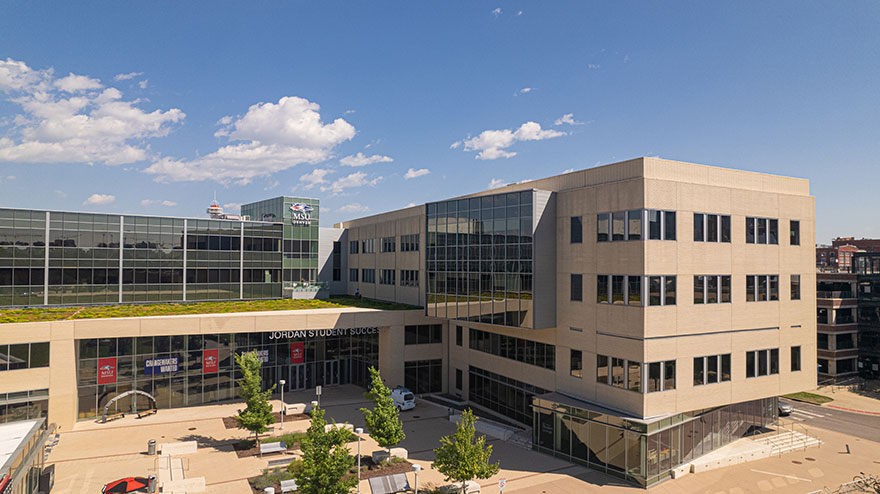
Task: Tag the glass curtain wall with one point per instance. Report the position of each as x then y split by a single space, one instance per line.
184 370
639 452
479 259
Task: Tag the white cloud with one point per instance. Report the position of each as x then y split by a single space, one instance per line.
99 199
519 13
273 137
354 208
497 12
412 204
77 83
568 118
455 145
128 76
496 182
593 66
526 90
272 185
360 159
74 120
151 202
315 177
568 170
492 144
349 112
411 173
232 208
357 179
143 84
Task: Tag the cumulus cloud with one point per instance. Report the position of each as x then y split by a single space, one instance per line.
357 179
74 119
455 145
526 90
410 205
568 119
315 177
360 159
411 173
269 138
496 12
99 200
143 84
151 202
128 76
496 182
493 144
354 208
272 185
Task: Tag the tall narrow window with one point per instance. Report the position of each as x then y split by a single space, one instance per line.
634 376
699 228
699 374
603 227
602 288
794 232
577 287
750 230
725 289
725 367
634 290
617 283
669 374
750 364
577 363
617 372
774 287
669 225
712 369
602 369
654 376
669 291
618 226
772 231
654 232
712 227
712 289
762 230
577 233
634 224
699 286
762 288
654 289
795 358
725 228
795 287
750 288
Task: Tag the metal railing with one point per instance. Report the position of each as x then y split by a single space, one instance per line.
305 286
834 294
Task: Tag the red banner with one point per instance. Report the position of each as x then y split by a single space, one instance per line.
107 370
297 353
210 361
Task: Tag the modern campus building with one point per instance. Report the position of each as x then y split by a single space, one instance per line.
636 315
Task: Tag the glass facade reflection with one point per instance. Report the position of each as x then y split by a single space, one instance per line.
300 217
184 370
479 259
642 453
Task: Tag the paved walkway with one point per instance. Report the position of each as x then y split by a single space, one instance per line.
867 403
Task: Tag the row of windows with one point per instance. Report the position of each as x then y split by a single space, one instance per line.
386 277
408 243
711 228
762 287
510 347
627 225
711 369
844 341
507 396
408 277
388 244
24 356
711 289
110 276
627 374
168 241
762 362
24 405
422 334
423 376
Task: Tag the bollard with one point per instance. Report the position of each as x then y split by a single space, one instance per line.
847 450
151 447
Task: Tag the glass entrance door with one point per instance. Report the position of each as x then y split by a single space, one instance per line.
297 380
331 372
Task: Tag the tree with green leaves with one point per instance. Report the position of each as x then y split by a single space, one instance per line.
462 457
383 421
326 460
257 416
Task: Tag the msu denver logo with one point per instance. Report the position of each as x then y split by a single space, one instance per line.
106 368
301 214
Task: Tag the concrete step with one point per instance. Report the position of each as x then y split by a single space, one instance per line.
787 441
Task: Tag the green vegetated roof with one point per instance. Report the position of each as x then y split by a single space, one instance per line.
146 310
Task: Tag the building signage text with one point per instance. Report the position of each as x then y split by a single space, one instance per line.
107 370
320 333
154 366
301 214
210 361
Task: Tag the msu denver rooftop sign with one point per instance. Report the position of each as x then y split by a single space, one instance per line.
301 214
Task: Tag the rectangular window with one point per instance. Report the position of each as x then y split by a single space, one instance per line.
725 367
603 227
750 364
712 289
409 243
699 228
669 290
634 290
602 288
750 288
617 283
577 287
654 290
388 244
711 227
409 277
725 228
795 287
750 230
422 334
602 369
795 358
712 369
617 372
386 277
368 246
654 232
794 232
634 225
577 233
634 376
699 372
459 335
353 247
669 225
774 361
352 274
699 289
762 230
762 288
773 231
773 280
618 226
654 377
762 363
577 363
822 341
458 378
725 289
368 275
669 374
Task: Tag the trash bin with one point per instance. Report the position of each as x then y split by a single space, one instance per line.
151 447
151 483
269 490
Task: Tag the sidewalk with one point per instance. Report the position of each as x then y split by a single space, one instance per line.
850 401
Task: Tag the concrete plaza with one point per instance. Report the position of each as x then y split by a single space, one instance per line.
93 454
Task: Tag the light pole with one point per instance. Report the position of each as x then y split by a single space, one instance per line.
283 406
359 431
416 468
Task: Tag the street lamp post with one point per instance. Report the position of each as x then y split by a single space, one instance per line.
416 468
283 406
359 431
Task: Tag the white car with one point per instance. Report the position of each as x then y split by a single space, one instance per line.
784 409
403 398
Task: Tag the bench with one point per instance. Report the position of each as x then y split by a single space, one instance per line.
146 413
278 447
296 408
114 416
288 486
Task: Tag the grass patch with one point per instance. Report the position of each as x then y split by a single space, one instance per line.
808 398
270 478
288 439
147 310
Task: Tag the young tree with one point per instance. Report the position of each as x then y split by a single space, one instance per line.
461 457
383 421
258 413
325 461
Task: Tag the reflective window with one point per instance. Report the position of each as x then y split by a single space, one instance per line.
577 234
577 363
577 287
794 232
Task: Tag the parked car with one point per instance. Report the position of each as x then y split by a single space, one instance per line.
784 409
403 398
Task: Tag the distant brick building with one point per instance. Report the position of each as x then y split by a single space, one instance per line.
838 258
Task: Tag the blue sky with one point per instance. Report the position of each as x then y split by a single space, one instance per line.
169 102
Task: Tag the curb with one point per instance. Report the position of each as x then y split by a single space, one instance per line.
853 410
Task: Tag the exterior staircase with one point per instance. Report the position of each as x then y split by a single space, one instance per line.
787 441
